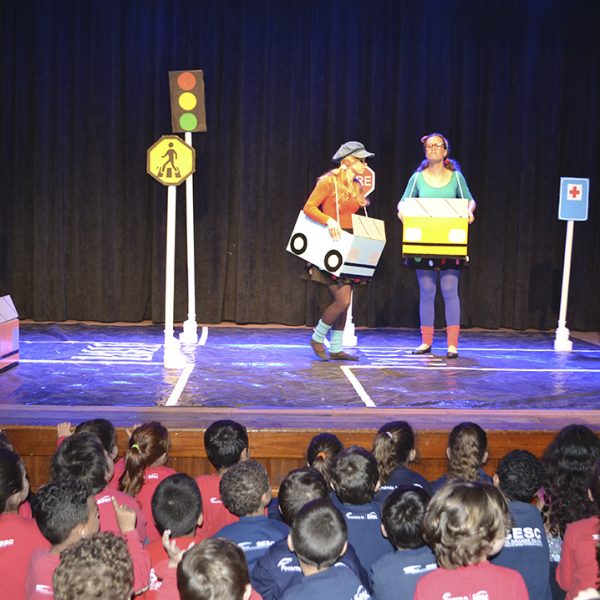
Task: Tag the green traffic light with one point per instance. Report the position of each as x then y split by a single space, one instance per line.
188 121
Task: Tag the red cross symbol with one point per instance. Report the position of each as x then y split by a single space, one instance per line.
574 191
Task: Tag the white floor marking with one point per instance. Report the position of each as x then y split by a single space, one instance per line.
360 390
180 385
203 336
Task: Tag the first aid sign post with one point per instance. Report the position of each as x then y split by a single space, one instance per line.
572 206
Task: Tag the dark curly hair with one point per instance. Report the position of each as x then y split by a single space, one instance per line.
568 463
520 475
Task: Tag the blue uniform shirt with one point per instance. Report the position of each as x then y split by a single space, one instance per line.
395 575
254 535
278 569
334 583
526 549
364 530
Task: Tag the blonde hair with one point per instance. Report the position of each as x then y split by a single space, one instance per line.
346 190
463 521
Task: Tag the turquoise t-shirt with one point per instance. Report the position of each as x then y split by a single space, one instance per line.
418 188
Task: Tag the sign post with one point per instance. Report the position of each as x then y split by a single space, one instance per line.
367 180
572 206
171 161
188 114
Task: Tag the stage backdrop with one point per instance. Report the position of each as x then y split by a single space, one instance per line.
513 84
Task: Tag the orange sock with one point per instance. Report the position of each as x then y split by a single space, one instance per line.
452 332
427 334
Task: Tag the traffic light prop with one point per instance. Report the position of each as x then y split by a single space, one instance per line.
188 112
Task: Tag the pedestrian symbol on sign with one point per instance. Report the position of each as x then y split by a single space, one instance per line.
172 155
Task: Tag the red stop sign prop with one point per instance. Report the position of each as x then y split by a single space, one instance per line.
367 180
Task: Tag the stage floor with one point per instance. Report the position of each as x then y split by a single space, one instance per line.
77 365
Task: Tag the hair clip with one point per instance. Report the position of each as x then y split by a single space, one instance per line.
135 446
321 455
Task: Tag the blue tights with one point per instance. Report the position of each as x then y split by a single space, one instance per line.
427 290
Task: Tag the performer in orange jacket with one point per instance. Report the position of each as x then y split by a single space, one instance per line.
336 197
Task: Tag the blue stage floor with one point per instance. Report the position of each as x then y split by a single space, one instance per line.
83 365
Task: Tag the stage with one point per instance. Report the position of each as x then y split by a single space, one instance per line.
71 366
511 383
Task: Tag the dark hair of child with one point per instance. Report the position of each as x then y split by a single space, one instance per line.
243 486
224 442
467 449
59 507
299 487
177 505
519 475
105 431
98 566
213 569
81 456
148 445
567 463
322 452
319 534
392 447
463 522
402 516
355 476
5 442
12 473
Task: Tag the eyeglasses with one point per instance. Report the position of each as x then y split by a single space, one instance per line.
432 146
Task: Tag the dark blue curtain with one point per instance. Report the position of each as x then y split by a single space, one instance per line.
513 84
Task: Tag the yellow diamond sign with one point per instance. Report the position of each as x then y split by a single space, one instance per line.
170 160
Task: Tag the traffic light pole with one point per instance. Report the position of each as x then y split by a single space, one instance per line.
173 358
190 327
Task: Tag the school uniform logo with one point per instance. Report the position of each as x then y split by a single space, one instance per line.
285 566
519 537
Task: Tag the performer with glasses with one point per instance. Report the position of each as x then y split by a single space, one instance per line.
437 177
336 197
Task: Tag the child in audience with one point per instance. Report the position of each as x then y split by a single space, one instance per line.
145 468
96 567
102 428
465 523
83 457
65 512
355 480
319 539
278 568
245 492
226 444
395 575
563 499
24 509
394 449
519 476
214 569
322 452
176 507
578 567
19 535
467 453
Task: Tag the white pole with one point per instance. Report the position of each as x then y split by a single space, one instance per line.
562 343
173 357
190 327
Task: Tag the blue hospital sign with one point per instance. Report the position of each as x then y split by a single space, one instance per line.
573 201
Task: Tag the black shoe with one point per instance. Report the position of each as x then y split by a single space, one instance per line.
452 353
421 350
